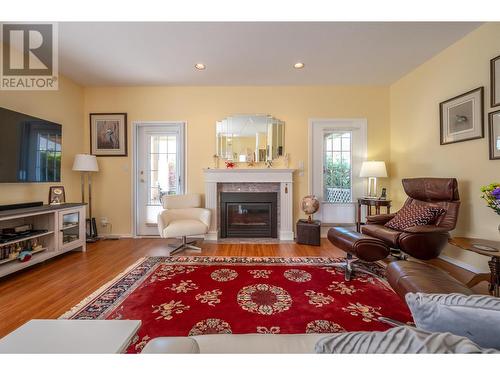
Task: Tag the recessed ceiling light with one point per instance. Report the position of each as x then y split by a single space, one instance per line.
298 65
200 66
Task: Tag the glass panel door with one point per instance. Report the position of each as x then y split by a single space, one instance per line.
338 148
70 227
160 165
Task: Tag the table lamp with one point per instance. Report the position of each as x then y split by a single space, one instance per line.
86 164
372 170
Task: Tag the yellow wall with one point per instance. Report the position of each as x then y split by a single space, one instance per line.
201 107
64 106
415 148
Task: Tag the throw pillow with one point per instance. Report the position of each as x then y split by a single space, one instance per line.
476 317
399 340
414 214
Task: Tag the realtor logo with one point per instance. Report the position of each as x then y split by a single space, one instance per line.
29 58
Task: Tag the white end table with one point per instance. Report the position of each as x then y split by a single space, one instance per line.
70 336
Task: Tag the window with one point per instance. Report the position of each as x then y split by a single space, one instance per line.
337 169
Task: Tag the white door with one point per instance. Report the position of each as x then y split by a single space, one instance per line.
337 149
159 170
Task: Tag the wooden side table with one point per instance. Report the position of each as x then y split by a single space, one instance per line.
487 248
369 203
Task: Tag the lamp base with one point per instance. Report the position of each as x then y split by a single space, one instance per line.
372 188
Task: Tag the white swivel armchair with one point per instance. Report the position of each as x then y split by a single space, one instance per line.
183 217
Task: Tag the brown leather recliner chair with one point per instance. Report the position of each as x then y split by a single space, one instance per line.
424 241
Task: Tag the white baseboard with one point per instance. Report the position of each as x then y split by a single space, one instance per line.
211 236
115 235
460 264
286 236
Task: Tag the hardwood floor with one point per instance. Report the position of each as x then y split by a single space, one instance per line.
47 290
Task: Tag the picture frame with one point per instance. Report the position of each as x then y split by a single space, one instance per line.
461 118
108 134
494 134
495 81
57 195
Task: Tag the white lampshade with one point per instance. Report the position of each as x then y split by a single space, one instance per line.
85 163
373 169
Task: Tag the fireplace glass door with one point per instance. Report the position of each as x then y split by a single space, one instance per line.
245 219
249 215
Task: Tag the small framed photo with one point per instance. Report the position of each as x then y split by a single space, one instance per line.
108 134
495 81
57 195
462 117
494 127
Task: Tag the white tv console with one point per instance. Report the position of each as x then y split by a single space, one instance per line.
63 226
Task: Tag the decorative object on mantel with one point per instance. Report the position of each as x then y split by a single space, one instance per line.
108 134
310 205
250 158
230 164
86 164
495 81
462 117
491 194
494 133
57 195
216 161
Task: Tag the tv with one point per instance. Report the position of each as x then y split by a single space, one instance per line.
30 148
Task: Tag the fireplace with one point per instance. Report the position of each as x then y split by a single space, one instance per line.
249 215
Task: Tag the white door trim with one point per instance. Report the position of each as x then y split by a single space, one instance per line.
136 125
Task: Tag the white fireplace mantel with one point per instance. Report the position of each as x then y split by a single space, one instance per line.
255 175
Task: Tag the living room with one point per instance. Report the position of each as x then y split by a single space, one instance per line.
250 187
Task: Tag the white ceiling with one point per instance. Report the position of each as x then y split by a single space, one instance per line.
345 53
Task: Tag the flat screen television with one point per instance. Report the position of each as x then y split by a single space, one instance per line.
30 148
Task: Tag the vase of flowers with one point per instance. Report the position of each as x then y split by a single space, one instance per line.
491 194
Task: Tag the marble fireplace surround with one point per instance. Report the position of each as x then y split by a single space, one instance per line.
251 180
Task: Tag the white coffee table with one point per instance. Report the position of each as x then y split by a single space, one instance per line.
71 336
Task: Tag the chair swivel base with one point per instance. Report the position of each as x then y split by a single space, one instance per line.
183 246
346 266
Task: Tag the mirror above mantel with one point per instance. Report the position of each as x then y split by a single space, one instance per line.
250 138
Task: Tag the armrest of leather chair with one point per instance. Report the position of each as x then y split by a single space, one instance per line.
379 219
425 229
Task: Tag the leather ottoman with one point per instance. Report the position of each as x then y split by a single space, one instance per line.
359 245
410 276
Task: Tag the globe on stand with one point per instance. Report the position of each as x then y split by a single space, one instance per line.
310 205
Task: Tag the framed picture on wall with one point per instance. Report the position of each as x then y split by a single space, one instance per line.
494 130
495 81
462 117
108 134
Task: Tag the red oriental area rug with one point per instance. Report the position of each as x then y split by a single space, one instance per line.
181 296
